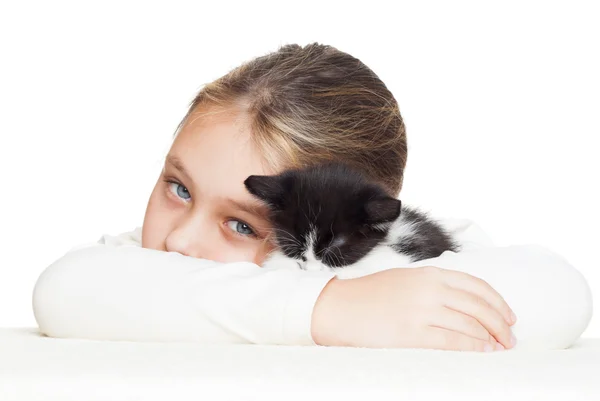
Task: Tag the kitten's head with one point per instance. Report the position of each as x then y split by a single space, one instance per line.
327 213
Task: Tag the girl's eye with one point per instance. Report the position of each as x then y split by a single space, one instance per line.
179 190
240 227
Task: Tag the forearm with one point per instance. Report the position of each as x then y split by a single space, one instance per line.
131 293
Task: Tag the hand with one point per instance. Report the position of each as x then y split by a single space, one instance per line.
425 307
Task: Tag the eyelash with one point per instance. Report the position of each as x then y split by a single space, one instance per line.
254 234
171 181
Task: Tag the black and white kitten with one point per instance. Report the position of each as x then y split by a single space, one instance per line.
330 216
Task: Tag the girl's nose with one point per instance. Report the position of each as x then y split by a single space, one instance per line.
193 239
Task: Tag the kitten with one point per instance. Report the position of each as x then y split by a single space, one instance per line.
332 217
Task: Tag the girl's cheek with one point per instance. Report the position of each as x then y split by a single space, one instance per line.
168 198
241 251
261 253
169 203
161 213
164 207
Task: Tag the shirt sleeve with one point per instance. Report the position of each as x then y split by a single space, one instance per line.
467 233
116 290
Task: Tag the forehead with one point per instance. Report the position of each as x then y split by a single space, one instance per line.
217 150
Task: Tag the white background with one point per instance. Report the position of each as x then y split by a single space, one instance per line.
501 101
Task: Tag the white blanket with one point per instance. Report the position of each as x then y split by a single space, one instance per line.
33 367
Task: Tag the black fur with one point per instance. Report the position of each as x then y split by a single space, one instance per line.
350 214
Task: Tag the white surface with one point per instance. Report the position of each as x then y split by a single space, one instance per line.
500 101
34 368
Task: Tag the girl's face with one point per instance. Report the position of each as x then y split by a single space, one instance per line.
199 206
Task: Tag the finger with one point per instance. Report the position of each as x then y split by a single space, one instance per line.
479 287
439 338
451 319
478 308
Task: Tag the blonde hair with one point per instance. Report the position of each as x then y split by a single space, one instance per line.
314 104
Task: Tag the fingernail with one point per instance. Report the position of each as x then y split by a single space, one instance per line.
488 347
499 347
513 317
513 340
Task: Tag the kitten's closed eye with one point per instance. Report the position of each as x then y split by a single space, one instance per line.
338 241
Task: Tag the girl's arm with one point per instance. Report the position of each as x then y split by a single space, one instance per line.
106 292
401 307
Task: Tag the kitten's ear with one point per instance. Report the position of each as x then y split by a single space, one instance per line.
382 210
267 188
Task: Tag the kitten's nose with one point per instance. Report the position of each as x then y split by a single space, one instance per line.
302 262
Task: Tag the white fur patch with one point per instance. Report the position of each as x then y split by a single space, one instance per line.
279 260
399 229
381 226
380 258
312 263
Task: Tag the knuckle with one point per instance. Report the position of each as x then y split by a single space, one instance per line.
481 302
482 282
431 297
431 270
475 326
483 307
498 327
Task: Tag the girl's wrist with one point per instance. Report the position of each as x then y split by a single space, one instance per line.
330 314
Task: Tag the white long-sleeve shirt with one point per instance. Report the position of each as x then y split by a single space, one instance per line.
116 290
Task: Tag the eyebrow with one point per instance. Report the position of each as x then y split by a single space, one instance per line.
253 208
176 162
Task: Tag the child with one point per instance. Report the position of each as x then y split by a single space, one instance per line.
191 272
